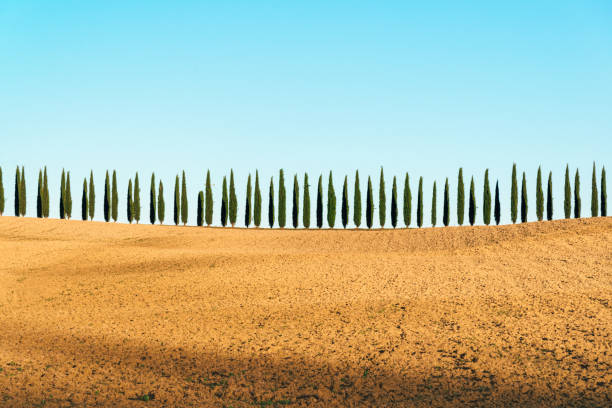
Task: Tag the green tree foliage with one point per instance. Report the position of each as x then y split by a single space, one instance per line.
1 193
84 202
208 217
45 195
472 204
17 191
130 203
39 202
382 200
446 208
539 196
604 194
497 210
22 194
233 201
115 199
357 202
331 202
62 200
549 198
271 203
224 203
577 200
345 207
136 199
320 203
486 200
177 201
567 202
407 201
306 205
247 206
394 203
257 202
92 196
460 198
107 198
594 194
420 204
184 205
200 211
369 205
514 196
295 209
152 201
282 200
161 204
68 197
433 206
524 206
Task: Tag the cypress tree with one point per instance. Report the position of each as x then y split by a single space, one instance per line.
107 199
549 199
136 199
224 203
539 196
514 195
68 205
433 206
161 204
1 193
567 202
524 206
152 201
184 207
460 197
357 202
382 200
177 201
84 203
407 201
247 206
22 196
594 194
39 203
472 203
446 210
577 200
200 213
604 194
320 203
306 205
394 203
233 201
257 202
282 200
209 200
296 202
130 203
45 194
331 202
62 201
17 192
271 203
486 200
92 196
115 199
369 205
497 210
420 204
345 208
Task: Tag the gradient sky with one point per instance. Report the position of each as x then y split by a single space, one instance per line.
423 87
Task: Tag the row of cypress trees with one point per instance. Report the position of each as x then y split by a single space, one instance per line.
253 201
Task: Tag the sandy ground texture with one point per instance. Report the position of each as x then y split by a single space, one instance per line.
95 314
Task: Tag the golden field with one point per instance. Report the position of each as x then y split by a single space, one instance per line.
95 314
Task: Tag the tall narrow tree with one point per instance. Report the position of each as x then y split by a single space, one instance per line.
594 194
152 201
107 198
407 201
331 202
394 203
524 206
549 198
514 195
295 209
271 203
369 205
282 200
248 206
486 200
233 201
446 209
177 201
200 210
92 196
224 203
184 205
68 198
62 200
84 203
357 202
1 193
22 196
257 202
130 203
567 202
306 205
604 194
577 200
161 204
115 199
320 203
539 196
39 203
497 210
472 203
17 192
208 211
420 204
45 195
136 199
345 207
460 197
433 206
382 200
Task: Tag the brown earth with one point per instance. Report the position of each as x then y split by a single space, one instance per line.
95 314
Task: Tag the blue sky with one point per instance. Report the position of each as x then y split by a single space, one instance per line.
423 87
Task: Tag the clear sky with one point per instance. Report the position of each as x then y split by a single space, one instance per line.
423 87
